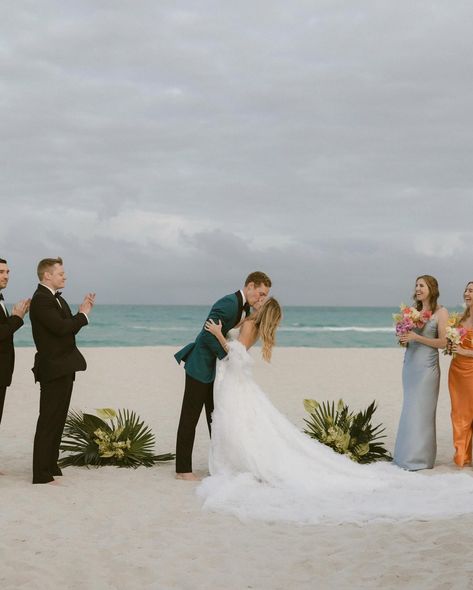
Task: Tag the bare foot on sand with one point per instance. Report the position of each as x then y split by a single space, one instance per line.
187 476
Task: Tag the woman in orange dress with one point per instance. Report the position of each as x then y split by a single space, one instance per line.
460 384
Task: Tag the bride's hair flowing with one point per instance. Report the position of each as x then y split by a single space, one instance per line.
266 320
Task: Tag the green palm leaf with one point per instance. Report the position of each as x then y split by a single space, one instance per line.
126 441
346 432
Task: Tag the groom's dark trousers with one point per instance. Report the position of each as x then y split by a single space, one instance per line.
200 358
8 325
3 392
196 395
56 362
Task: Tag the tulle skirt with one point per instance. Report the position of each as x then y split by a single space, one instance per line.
263 467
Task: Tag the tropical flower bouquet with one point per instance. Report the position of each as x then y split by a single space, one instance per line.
408 319
110 438
454 332
346 432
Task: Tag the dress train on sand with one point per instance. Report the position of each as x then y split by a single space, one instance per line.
263 467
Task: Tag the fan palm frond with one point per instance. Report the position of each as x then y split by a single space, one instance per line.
124 441
346 432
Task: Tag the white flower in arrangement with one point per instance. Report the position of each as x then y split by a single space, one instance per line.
102 435
453 334
363 449
117 432
106 413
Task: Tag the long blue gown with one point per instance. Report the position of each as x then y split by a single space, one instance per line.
416 444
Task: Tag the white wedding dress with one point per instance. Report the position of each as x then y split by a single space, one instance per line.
263 467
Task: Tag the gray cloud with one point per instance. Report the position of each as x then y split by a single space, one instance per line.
165 150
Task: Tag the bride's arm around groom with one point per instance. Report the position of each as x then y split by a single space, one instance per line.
200 356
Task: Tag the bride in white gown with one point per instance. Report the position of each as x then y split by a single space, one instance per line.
263 467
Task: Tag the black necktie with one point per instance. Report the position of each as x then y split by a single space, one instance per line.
246 308
1 297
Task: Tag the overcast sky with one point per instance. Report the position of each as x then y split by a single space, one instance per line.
166 149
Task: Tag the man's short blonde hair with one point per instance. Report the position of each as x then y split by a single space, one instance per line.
46 264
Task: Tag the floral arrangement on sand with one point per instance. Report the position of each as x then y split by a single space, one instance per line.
110 438
346 432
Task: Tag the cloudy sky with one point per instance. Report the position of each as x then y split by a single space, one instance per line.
166 149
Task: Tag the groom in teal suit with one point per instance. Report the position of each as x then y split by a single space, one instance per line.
200 358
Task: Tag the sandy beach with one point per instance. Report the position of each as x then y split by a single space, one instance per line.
112 528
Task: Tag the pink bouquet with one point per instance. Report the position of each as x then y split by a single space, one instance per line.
410 318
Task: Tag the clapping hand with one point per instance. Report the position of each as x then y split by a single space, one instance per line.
21 308
87 304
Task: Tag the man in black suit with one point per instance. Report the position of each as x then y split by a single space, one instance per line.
8 325
56 362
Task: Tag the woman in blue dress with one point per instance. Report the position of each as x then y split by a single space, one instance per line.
416 444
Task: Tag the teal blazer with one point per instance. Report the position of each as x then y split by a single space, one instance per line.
200 357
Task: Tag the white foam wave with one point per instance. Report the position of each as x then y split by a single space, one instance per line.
364 329
162 329
336 329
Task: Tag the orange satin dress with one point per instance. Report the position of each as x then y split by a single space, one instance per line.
460 384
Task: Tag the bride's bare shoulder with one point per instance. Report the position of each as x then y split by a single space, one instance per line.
248 333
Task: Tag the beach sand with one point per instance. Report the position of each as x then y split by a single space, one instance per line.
113 528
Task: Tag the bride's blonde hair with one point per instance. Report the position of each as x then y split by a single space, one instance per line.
266 320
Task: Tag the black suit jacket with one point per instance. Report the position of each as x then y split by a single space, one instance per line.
8 325
54 330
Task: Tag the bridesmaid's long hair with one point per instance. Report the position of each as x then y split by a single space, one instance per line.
466 313
434 292
266 321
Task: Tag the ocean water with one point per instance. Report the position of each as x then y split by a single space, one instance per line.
155 325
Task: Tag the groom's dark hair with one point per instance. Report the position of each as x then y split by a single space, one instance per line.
257 278
3 261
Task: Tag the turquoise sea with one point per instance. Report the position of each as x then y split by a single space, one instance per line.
156 325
